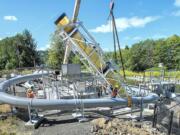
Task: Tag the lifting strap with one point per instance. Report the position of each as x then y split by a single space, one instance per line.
129 98
116 38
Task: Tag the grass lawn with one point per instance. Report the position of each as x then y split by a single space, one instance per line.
175 74
8 126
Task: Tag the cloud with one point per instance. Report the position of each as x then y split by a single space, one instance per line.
137 38
124 23
10 18
43 48
177 3
176 13
0 39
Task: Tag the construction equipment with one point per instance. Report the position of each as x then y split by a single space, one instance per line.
79 40
84 45
76 10
116 38
74 20
116 41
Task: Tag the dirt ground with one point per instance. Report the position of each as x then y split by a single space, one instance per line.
5 108
54 125
65 124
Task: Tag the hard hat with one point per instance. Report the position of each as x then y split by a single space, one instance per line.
116 86
29 90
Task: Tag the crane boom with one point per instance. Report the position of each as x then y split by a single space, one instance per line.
76 10
74 19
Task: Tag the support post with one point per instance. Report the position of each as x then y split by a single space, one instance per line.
132 106
14 90
155 116
170 122
179 119
82 106
29 112
141 112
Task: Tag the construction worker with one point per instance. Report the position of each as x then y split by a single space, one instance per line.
30 93
114 91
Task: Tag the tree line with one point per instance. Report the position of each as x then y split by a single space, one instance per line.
18 51
149 53
139 57
21 51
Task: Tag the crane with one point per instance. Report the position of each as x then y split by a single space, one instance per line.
116 38
74 20
76 10
78 40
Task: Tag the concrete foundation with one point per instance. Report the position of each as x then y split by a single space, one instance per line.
34 123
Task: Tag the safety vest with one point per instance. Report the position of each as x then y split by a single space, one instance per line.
114 93
30 94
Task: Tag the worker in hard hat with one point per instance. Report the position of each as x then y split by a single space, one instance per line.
115 91
30 93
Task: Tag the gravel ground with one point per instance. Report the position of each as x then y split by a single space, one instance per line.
63 125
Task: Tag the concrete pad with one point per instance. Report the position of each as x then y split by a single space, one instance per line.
83 119
34 123
77 115
131 116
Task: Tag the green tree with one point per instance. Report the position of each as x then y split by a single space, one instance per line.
55 52
18 51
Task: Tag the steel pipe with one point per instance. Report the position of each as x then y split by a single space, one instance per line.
63 104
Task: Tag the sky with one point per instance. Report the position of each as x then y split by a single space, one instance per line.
135 19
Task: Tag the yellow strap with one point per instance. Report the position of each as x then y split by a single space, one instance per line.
129 101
